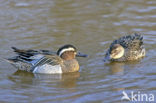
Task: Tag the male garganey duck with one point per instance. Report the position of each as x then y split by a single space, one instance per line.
44 61
126 48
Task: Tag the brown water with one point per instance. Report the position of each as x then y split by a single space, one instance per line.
90 25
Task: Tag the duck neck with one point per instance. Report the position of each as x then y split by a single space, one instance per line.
70 66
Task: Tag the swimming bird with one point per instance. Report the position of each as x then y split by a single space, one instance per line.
44 61
126 48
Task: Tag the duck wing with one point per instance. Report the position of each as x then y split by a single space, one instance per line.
30 52
132 42
47 63
28 59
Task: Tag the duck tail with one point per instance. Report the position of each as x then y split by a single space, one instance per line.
138 36
24 53
15 49
18 51
10 60
19 64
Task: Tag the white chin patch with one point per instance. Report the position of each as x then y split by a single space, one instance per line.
64 50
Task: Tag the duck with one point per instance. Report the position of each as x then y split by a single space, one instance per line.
47 62
126 48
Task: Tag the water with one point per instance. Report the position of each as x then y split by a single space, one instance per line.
90 25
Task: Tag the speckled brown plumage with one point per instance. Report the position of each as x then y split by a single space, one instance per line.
133 46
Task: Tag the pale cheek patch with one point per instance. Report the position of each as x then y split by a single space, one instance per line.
118 55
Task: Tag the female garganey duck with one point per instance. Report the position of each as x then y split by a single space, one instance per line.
44 61
126 48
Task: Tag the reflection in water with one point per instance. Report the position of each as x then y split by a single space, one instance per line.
91 25
69 80
66 80
117 68
20 78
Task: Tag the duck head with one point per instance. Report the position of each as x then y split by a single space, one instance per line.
116 52
69 52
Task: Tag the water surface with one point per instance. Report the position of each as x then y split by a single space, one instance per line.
90 25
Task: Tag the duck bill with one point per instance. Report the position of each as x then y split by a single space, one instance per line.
81 55
107 58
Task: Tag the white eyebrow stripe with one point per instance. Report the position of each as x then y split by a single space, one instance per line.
67 49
